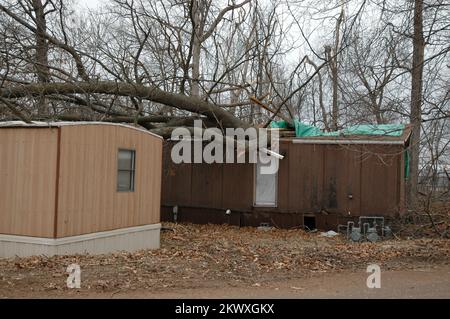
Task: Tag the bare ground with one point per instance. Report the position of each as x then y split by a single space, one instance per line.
229 262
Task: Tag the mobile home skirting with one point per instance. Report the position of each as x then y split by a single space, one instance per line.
127 239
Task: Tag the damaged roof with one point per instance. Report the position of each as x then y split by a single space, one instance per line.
402 139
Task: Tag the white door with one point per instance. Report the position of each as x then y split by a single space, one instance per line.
265 188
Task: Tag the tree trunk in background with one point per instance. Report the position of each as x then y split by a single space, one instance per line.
335 107
196 51
321 104
196 47
333 58
41 65
416 101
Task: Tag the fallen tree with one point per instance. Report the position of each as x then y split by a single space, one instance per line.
151 93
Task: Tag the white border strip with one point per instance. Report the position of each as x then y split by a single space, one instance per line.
75 239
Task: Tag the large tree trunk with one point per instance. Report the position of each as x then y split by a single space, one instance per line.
152 93
321 104
50 39
335 107
196 51
416 100
196 47
201 34
334 65
41 65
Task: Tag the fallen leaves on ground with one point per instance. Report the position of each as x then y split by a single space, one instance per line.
213 255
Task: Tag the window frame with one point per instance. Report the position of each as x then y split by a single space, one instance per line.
262 205
131 171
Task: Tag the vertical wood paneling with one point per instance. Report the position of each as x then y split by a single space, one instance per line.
27 181
238 186
176 180
401 183
207 185
306 177
342 179
283 177
311 178
380 180
353 184
89 201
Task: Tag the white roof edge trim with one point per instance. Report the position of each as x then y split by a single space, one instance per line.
62 123
311 141
272 153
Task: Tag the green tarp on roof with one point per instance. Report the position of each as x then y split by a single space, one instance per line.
304 130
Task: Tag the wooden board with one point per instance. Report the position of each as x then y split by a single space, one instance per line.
28 158
238 186
283 177
207 185
176 180
306 177
380 180
342 171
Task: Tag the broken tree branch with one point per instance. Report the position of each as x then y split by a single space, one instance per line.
267 108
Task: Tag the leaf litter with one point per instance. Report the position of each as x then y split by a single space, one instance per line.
198 256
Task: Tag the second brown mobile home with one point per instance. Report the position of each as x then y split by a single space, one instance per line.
321 182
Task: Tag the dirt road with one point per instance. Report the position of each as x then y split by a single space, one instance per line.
425 282
420 283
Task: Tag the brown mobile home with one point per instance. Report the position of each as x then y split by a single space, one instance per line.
321 182
78 187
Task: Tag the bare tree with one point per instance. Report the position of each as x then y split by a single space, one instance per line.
416 99
333 56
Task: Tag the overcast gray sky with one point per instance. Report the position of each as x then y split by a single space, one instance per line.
311 28
89 3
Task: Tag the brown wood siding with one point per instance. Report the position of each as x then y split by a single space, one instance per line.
207 185
28 159
306 177
214 185
283 177
342 179
176 180
88 197
312 178
380 180
238 185
401 183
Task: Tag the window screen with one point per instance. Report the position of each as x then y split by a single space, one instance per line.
265 188
126 170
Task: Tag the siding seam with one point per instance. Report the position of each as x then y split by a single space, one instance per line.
58 164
